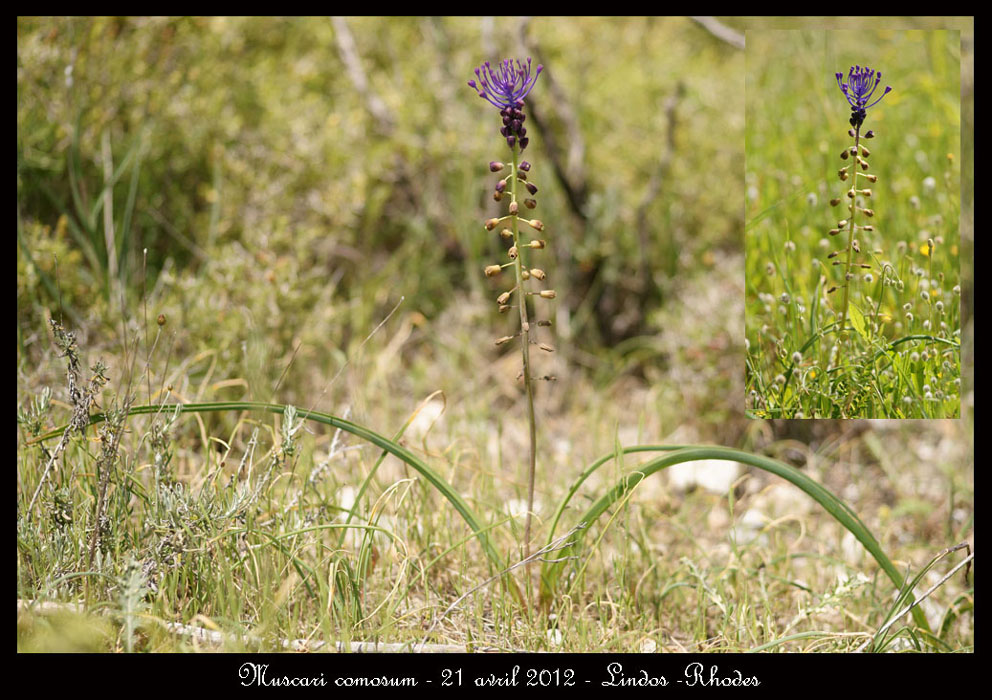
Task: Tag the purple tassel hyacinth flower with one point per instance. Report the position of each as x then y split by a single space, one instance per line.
506 87
860 86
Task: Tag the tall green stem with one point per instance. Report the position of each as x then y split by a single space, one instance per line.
848 277
525 352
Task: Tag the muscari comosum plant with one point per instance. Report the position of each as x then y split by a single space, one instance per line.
859 88
505 88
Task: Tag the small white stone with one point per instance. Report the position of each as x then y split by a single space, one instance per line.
714 475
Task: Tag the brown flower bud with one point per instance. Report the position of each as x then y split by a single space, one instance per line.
506 233
530 203
835 201
503 308
864 151
491 224
495 166
503 298
537 273
536 244
512 252
548 294
161 319
536 223
493 270
513 207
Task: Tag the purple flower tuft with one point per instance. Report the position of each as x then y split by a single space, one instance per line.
860 86
506 86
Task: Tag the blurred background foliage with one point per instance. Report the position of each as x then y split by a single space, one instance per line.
292 179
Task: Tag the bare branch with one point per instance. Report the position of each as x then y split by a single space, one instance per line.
721 31
353 64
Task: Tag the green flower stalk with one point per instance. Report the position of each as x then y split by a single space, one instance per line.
859 88
505 87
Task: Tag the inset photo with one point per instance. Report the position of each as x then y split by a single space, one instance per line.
852 242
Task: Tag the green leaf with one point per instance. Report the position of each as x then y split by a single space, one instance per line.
858 321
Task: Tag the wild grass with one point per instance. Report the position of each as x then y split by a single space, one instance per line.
898 354
317 443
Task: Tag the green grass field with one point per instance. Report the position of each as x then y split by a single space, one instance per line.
901 354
